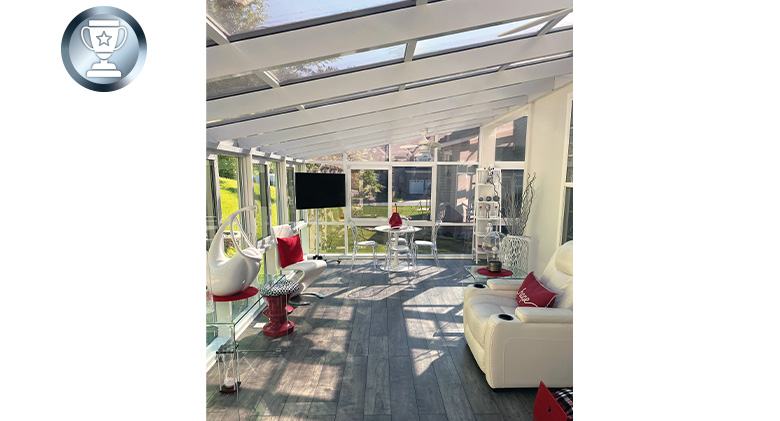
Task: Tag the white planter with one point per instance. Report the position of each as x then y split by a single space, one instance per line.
514 253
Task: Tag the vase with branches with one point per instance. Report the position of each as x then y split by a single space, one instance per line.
515 210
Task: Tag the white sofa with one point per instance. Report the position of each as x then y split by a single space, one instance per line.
305 272
532 344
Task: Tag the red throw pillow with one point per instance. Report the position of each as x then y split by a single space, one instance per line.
290 250
533 294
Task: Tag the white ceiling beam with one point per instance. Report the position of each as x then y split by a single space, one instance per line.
551 24
339 147
213 32
337 127
344 147
382 29
391 100
392 75
409 126
365 120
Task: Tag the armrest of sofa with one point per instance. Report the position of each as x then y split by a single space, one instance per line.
544 315
478 289
499 284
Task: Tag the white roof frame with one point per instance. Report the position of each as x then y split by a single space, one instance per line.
389 28
390 100
417 70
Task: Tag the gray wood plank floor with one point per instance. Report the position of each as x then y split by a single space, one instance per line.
378 347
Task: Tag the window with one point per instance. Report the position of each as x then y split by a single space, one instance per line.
376 153
459 146
260 182
291 210
212 203
228 194
273 182
510 140
369 193
567 224
412 192
455 191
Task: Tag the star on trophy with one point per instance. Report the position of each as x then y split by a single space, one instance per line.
104 35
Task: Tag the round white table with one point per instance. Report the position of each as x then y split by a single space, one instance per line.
396 232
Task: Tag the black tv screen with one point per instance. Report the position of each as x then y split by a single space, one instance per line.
315 190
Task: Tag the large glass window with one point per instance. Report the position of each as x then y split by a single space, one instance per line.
567 233
291 210
212 216
412 192
228 194
376 153
369 193
331 238
459 146
417 150
260 181
455 192
273 180
510 140
454 239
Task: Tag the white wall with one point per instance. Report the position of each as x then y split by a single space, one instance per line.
546 157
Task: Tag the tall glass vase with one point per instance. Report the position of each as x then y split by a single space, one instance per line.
514 253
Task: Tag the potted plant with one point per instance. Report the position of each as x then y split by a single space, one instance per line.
515 210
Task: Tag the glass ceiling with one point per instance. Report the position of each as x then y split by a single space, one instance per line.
338 64
234 84
482 36
243 16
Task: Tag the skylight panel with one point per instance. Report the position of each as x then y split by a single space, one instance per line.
234 85
338 64
474 37
243 16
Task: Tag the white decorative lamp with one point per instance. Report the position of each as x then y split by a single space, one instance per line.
492 246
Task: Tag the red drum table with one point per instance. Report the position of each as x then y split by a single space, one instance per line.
277 295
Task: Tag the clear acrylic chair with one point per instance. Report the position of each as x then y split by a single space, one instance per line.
356 244
431 244
401 249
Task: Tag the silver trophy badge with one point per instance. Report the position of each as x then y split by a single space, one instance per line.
104 40
115 37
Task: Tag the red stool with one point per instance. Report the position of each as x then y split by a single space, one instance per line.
277 296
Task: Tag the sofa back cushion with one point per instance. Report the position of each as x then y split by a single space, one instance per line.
559 275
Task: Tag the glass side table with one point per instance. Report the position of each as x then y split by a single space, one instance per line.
472 277
221 325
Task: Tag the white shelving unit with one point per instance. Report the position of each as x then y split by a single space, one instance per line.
485 211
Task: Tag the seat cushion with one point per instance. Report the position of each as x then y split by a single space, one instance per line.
478 309
290 250
423 243
367 243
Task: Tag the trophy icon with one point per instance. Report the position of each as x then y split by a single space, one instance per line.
104 35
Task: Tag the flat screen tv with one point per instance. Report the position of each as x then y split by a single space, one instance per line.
315 190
